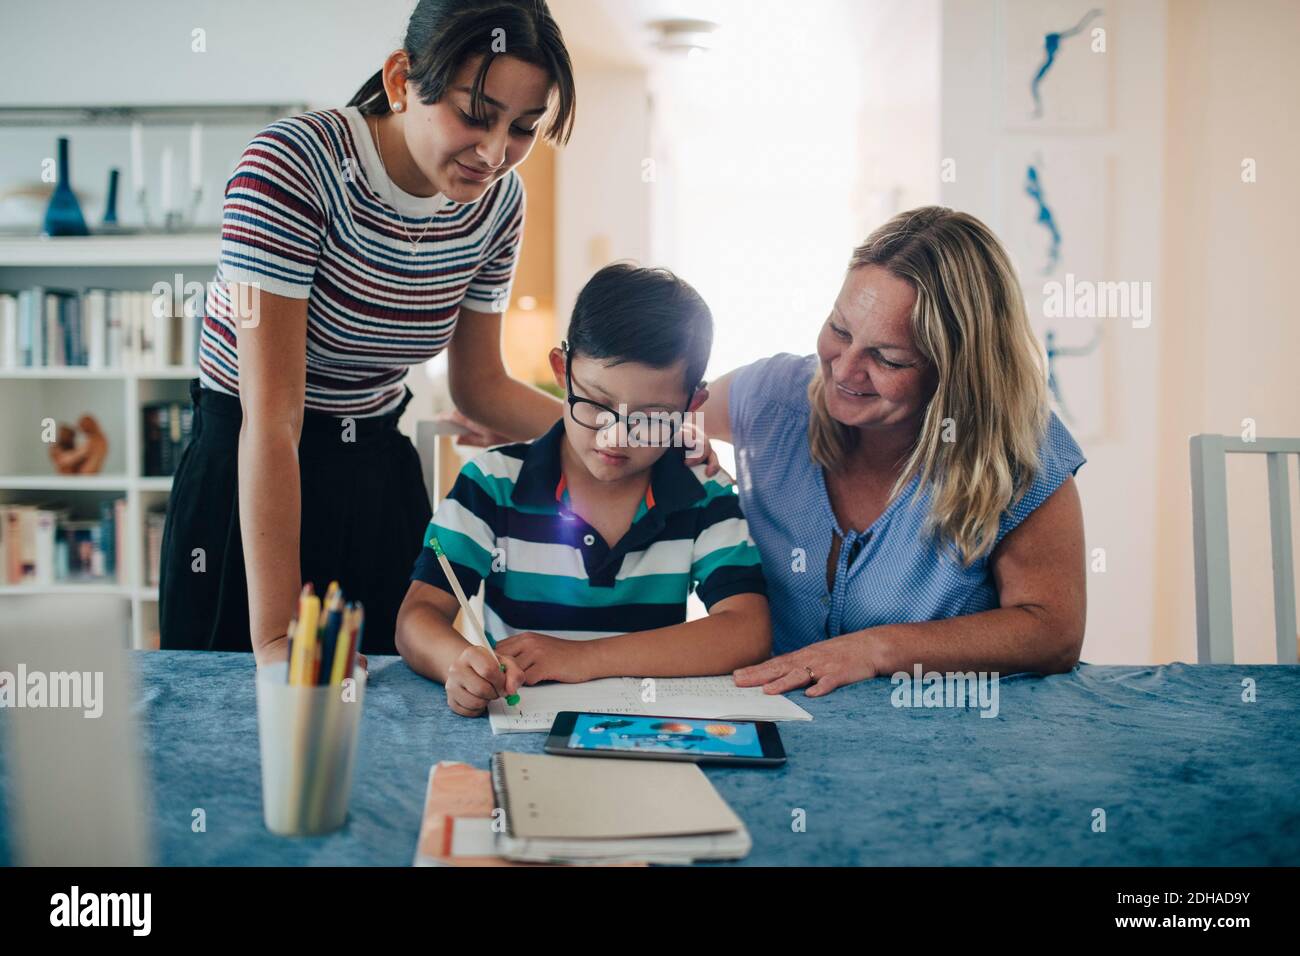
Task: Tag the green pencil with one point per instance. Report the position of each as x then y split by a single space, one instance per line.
480 635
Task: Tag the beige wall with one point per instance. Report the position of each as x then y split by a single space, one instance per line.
603 207
1229 292
530 333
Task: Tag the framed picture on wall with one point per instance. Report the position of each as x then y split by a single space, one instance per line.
1053 64
1054 211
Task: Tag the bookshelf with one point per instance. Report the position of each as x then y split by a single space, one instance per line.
116 396
132 250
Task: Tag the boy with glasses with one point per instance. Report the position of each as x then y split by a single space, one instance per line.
590 538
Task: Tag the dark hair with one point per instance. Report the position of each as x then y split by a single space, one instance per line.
630 314
442 34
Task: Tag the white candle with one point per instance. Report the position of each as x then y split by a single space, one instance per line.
196 147
137 156
165 197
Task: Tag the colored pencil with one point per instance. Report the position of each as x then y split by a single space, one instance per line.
305 641
480 635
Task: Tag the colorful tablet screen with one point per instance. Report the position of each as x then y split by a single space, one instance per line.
723 738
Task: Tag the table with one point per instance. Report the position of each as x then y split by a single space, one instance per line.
1187 772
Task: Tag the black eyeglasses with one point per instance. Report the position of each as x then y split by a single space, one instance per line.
652 429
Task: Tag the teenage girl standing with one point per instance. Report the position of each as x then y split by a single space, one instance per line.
356 243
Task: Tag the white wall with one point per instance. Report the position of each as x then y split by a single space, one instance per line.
780 150
1118 484
71 52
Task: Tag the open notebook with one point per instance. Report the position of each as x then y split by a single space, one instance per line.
672 697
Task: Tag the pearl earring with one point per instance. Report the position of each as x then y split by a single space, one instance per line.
397 107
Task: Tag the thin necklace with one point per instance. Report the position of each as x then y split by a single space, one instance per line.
391 202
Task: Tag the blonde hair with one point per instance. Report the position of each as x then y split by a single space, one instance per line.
970 323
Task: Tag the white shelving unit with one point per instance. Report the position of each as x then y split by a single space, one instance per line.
114 396
131 249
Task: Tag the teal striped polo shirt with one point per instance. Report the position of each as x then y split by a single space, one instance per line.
507 522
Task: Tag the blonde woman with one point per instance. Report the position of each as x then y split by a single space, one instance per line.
908 487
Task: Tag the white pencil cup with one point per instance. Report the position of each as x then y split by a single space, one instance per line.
308 741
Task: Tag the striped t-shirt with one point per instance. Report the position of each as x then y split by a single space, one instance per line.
507 520
309 214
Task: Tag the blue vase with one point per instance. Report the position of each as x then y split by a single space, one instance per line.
63 215
110 207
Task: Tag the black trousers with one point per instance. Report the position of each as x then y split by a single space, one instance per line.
364 514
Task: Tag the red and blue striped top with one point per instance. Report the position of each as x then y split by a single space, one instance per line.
309 213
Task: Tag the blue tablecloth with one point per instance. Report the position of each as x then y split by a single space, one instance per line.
1186 771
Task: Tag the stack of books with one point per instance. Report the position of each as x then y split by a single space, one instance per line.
630 812
95 329
43 544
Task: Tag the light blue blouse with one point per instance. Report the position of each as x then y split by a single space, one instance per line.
891 572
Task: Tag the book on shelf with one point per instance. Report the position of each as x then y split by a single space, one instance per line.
43 544
98 329
164 434
153 532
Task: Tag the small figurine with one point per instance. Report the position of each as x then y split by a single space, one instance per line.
85 459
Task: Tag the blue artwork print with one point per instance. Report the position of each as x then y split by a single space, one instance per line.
1056 352
1034 189
1051 45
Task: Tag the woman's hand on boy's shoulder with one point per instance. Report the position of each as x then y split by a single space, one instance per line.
469 433
542 657
699 449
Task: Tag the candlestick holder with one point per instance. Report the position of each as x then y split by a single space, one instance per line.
142 203
110 204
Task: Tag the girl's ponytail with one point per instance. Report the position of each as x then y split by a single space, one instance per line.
372 88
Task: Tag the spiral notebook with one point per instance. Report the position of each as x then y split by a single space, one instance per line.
565 809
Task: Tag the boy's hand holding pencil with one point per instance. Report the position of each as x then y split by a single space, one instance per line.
476 678
476 681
